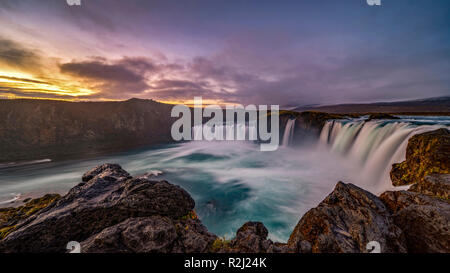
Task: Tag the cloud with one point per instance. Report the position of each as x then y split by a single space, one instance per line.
115 79
16 79
15 55
31 93
336 53
98 70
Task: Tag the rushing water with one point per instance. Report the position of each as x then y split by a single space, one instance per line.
375 145
234 182
288 135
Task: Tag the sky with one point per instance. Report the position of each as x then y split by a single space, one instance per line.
290 53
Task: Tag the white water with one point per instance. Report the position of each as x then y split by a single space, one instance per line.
32 162
288 132
233 181
374 146
224 132
15 198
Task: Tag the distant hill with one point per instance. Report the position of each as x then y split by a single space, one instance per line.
425 106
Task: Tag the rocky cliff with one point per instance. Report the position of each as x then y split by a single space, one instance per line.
36 129
426 154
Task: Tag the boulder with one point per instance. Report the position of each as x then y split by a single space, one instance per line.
424 220
345 222
106 170
154 234
193 237
10 217
250 238
142 234
398 200
112 212
437 185
108 196
426 153
426 228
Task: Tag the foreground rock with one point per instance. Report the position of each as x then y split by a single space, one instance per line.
10 217
437 185
112 212
345 222
151 234
426 153
250 238
108 196
424 220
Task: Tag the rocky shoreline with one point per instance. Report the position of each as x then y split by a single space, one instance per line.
110 211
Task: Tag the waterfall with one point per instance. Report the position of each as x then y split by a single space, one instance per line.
224 132
288 132
374 145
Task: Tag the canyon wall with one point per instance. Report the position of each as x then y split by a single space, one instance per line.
36 129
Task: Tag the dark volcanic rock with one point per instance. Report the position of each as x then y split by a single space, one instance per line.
109 197
143 234
426 153
10 217
105 170
250 238
345 221
193 237
426 228
398 200
152 234
435 185
110 211
424 220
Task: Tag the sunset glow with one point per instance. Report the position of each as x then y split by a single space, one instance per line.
257 52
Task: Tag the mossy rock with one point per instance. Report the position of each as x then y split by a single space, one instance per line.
9 217
191 215
427 153
220 244
5 231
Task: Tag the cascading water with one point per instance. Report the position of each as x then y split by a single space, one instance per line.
233 182
224 132
374 145
288 132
